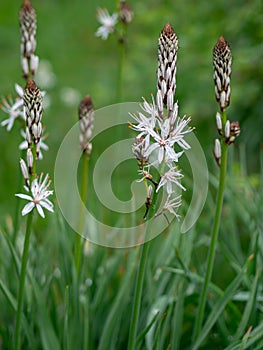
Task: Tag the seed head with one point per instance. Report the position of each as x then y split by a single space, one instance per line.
167 58
222 60
86 120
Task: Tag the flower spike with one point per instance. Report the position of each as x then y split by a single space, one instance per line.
34 110
222 59
167 58
28 27
86 119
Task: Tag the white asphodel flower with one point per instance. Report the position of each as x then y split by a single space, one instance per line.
172 176
165 133
108 23
172 204
40 192
13 108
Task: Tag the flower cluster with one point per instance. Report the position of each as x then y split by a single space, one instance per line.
222 60
15 108
38 187
109 22
161 140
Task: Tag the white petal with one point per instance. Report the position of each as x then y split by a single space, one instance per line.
151 148
160 154
40 210
23 145
24 196
47 205
27 208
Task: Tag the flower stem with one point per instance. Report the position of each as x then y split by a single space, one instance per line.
215 230
139 280
22 281
83 194
121 45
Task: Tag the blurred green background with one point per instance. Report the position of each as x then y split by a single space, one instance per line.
77 63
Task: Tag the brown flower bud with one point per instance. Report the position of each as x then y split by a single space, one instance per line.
86 120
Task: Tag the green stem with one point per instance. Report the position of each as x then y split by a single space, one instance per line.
22 280
140 279
215 230
137 297
121 45
83 194
17 213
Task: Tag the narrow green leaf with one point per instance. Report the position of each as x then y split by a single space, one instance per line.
193 277
146 329
248 309
219 307
13 303
47 332
66 316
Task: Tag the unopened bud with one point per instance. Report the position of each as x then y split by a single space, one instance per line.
86 120
29 159
219 123
217 151
126 13
24 169
227 129
234 132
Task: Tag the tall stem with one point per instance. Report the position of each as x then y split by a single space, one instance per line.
121 45
139 281
83 194
215 230
22 281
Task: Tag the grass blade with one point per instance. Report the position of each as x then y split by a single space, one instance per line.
219 306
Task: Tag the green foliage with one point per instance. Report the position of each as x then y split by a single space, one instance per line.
63 311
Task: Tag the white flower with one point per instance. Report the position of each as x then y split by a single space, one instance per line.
171 204
164 143
166 133
108 23
178 132
15 108
39 196
169 178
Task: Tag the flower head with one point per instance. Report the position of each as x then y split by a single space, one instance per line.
170 178
39 200
108 23
172 203
161 138
14 108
